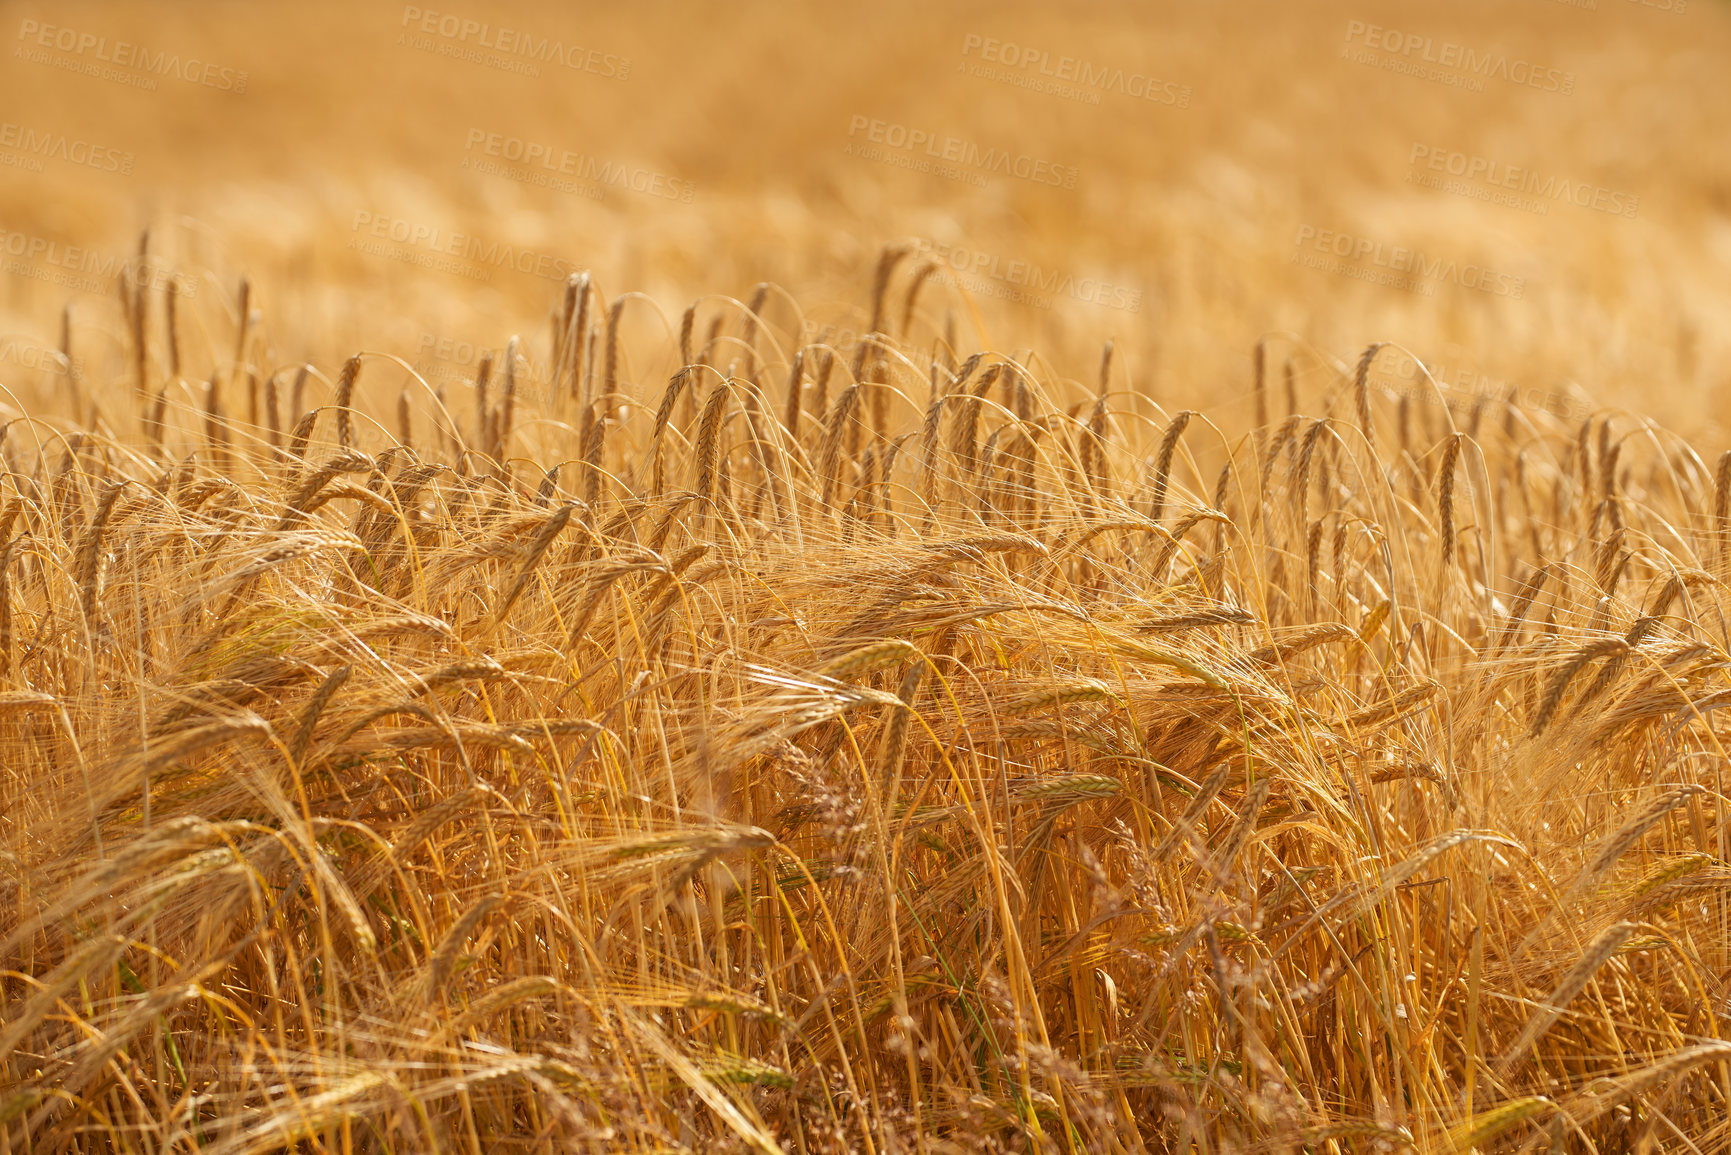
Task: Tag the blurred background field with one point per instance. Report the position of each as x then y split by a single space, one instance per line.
1207 211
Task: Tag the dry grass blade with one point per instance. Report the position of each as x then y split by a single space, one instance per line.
1597 954
345 399
1205 795
1196 619
1163 462
96 954
709 442
1603 1096
752 1134
444 957
1482 1128
1446 498
1722 510
1361 391
538 547
867 658
1559 683
14 700
1630 833
314 708
346 1099
1225 861
1279 653
89 560
836 429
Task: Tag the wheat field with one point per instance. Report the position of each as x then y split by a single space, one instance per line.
762 677
861 749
